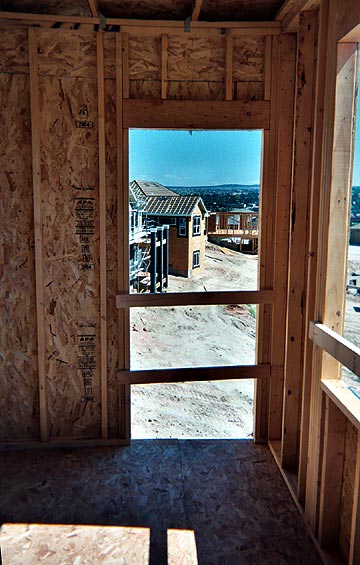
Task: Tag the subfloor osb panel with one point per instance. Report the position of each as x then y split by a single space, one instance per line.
27 544
229 493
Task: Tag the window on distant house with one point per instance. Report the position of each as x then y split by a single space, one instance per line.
182 231
196 259
196 225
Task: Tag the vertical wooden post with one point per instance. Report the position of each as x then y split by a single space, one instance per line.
123 242
125 65
335 186
354 553
102 219
164 63
313 246
284 150
332 471
266 237
38 227
229 66
299 239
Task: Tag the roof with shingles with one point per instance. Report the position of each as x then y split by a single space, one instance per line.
173 205
160 201
143 188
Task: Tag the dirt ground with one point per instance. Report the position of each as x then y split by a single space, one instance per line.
197 336
352 323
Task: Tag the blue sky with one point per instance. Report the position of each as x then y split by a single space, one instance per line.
176 158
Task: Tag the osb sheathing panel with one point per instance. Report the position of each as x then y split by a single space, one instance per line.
196 90
67 53
60 7
145 89
196 59
144 58
26 544
347 489
146 9
248 54
70 208
247 91
111 245
14 50
19 406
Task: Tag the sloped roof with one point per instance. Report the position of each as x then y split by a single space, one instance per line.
148 188
173 205
158 200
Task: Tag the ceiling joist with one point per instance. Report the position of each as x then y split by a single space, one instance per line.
197 5
289 12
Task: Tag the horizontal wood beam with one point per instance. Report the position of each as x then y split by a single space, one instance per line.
337 346
194 374
194 298
191 114
26 17
345 400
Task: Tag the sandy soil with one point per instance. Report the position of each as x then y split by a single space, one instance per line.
197 336
352 325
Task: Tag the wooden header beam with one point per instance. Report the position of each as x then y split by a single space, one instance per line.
195 374
147 26
194 114
194 298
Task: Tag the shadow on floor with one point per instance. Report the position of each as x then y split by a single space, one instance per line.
229 492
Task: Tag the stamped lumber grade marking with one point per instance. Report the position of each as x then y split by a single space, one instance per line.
86 359
85 229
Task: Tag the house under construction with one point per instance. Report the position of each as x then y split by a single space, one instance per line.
75 77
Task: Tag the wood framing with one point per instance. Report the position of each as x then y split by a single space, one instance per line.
299 237
195 374
195 298
102 220
38 229
332 472
284 149
172 114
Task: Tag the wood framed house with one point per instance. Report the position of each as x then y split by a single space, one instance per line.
75 78
186 217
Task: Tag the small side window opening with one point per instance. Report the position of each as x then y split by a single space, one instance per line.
182 231
196 225
196 259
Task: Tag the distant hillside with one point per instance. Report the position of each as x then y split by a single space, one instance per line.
223 197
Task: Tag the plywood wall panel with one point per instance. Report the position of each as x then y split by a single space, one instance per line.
111 244
196 90
69 185
247 91
347 489
144 58
109 55
195 58
19 404
60 7
14 50
248 58
145 89
67 53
